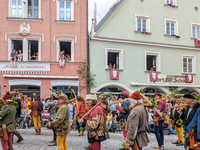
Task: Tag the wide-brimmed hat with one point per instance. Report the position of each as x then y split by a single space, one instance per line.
53 94
135 96
157 94
7 96
190 94
62 97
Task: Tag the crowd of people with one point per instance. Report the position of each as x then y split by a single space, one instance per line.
100 114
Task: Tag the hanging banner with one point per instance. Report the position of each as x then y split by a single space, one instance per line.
114 74
153 76
189 78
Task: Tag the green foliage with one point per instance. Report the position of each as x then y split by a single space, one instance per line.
163 115
81 129
86 76
174 92
140 91
16 90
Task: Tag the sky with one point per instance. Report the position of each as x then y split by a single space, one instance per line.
102 8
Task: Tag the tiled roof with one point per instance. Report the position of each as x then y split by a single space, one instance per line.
109 13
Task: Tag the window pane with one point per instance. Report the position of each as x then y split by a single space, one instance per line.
14 3
35 13
198 32
19 3
14 12
62 15
144 25
172 28
184 69
30 9
20 13
138 24
68 6
62 6
194 32
68 15
36 3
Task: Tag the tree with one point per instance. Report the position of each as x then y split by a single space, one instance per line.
89 78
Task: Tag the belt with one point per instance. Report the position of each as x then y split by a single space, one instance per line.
7 124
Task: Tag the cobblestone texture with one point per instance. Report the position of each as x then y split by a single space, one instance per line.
40 142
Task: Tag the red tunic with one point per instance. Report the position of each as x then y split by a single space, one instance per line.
81 109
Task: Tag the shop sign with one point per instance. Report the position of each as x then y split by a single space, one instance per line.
25 67
171 79
176 79
114 74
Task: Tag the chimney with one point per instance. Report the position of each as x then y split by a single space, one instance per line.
95 14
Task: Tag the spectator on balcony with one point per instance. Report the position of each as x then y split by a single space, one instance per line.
13 56
153 68
110 66
68 58
20 56
114 66
61 59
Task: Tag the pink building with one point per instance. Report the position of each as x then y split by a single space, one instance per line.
40 29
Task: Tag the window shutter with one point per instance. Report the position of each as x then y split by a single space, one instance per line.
194 65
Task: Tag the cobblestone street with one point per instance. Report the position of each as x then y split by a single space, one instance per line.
35 142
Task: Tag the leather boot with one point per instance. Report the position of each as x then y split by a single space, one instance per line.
82 133
53 143
20 138
79 133
89 147
36 131
39 130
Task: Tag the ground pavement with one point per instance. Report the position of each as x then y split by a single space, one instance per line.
40 142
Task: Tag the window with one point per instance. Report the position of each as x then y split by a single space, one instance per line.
17 9
195 31
152 58
65 10
189 64
66 90
27 49
25 8
33 9
170 2
171 27
32 50
65 47
114 59
142 23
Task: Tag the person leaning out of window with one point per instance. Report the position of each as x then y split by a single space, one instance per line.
13 56
153 68
20 56
61 59
110 66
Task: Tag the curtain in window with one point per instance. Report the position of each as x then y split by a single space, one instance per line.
65 10
17 9
33 8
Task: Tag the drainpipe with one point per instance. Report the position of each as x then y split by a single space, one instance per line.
88 44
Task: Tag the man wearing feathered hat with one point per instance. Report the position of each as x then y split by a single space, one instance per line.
190 111
95 123
137 124
7 117
124 112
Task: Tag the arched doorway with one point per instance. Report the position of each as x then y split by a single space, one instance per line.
149 92
111 90
184 91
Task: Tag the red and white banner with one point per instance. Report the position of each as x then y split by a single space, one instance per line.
189 78
153 76
114 74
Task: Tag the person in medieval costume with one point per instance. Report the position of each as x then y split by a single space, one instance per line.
190 111
37 107
174 116
81 111
95 123
18 108
137 124
195 124
124 112
51 102
7 117
62 123
158 130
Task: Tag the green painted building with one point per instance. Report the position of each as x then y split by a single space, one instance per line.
134 35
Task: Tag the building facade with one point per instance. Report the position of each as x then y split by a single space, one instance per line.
135 35
40 30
